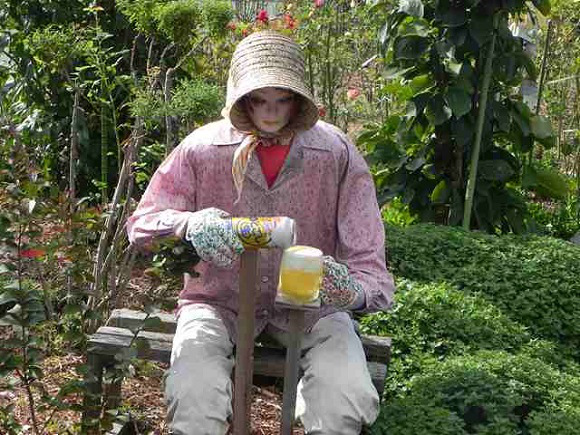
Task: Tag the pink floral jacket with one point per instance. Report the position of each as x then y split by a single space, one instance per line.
325 185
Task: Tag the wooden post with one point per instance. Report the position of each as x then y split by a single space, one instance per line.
296 315
93 393
245 342
291 369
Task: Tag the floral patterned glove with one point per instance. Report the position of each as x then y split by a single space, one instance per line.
338 287
212 237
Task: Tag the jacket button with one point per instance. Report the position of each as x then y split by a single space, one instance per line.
265 279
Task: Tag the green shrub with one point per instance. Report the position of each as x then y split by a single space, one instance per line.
216 15
534 280
491 391
440 320
561 220
432 321
546 182
140 13
555 421
179 20
195 101
149 106
397 213
400 417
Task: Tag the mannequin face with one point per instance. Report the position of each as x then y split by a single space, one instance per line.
270 109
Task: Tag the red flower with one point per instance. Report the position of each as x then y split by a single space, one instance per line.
318 3
32 253
290 21
352 93
245 32
262 16
322 111
231 25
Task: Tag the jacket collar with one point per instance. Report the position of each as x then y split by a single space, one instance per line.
313 138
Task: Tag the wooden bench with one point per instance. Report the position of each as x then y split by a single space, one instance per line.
153 342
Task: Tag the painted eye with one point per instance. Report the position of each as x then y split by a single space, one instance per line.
256 101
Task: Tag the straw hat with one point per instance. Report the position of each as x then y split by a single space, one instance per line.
268 59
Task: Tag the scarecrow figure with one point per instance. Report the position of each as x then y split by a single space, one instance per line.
269 156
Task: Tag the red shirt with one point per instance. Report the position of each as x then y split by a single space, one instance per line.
271 160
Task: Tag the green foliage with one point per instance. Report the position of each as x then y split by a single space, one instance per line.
434 52
490 391
178 20
27 302
216 14
546 182
556 419
559 219
440 320
534 280
150 157
56 47
141 13
335 39
435 321
174 257
193 102
402 416
398 214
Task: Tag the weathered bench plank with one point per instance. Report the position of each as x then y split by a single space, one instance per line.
131 319
377 348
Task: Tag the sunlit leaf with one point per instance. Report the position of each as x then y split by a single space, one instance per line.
412 7
421 83
541 127
459 101
440 193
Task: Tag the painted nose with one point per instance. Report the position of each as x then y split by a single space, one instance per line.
271 109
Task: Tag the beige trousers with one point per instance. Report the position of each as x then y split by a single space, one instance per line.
335 395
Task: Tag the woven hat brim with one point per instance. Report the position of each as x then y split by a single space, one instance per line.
268 59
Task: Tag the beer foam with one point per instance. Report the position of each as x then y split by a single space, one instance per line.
302 257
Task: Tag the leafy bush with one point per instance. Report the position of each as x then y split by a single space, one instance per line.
441 320
400 417
433 52
397 213
433 321
193 102
196 101
532 279
491 391
178 20
216 15
546 182
140 13
555 421
150 157
561 220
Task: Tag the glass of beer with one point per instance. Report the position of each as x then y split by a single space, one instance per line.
300 274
